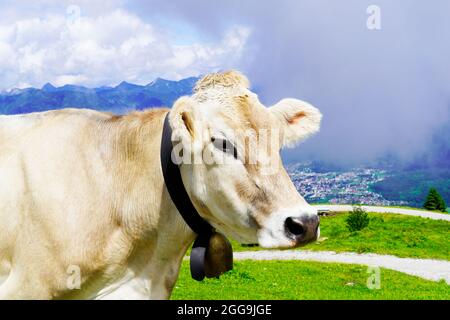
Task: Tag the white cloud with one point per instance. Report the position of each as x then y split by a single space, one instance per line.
68 48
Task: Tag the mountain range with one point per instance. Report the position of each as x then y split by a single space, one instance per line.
119 99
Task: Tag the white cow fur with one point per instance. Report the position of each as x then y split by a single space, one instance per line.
84 188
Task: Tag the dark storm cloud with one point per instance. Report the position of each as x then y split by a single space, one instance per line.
379 90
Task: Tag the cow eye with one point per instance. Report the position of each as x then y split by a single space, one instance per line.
224 146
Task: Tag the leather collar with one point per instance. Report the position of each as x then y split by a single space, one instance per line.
180 197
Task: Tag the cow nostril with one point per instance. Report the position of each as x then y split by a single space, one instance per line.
294 226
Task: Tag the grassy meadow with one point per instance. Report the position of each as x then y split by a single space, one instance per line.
399 235
305 280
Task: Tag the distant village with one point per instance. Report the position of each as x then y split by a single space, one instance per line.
346 187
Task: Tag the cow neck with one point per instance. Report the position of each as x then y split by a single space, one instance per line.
180 197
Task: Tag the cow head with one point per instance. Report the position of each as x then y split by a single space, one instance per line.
228 145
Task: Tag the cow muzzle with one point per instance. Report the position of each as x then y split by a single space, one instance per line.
303 229
289 228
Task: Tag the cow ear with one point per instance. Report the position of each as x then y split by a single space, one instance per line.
181 117
297 119
183 124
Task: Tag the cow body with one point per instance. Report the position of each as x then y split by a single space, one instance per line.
83 191
84 211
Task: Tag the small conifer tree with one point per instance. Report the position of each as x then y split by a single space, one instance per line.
434 201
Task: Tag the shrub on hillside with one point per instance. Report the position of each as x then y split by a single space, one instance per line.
357 219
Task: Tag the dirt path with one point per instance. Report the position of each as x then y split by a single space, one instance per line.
410 212
429 269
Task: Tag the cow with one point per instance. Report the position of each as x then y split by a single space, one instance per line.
84 209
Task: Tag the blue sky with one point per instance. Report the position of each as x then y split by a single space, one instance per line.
381 91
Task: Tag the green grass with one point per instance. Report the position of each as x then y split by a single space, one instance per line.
399 235
305 280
